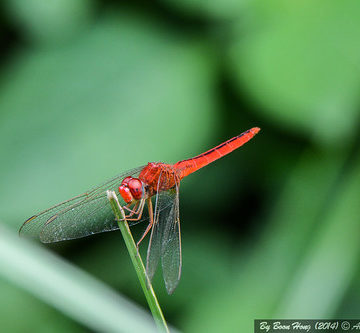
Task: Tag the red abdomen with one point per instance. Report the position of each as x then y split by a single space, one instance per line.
186 167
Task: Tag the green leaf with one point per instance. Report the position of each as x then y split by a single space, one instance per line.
331 261
50 21
218 9
67 288
299 62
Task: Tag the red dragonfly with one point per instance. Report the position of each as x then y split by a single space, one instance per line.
91 213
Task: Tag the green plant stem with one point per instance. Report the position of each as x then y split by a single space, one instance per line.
137 262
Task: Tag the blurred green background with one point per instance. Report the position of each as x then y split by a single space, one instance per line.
89 89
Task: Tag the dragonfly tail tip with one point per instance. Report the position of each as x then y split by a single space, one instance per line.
255 130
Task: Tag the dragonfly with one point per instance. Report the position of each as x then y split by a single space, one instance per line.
155 185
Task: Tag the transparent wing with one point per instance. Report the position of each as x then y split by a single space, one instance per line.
83 215
165 240
162 200
171 246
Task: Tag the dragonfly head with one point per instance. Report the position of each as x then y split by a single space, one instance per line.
131 189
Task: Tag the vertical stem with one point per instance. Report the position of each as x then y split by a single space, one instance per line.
137 262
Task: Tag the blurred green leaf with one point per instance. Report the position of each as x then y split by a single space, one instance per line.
331 261
50 21
22 312
218 9
350 306
300 62
67 288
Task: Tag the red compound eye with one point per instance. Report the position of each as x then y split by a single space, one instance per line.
125 193
136 188
126 180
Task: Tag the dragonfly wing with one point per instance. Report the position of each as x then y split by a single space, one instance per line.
154 247
80 216
33 226
171 245
163 203
165 239
91 217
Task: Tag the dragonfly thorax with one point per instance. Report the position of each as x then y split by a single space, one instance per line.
159 177
131 189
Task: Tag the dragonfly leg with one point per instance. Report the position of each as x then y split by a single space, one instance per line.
138 212
133 210
140 207
150 222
